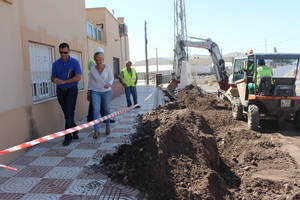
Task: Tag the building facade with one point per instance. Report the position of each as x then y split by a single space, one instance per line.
29 45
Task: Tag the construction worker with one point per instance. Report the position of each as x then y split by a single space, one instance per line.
262 70
92 63
128 79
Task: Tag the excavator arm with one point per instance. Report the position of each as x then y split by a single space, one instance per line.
218 61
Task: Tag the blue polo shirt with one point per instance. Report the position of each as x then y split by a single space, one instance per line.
65 71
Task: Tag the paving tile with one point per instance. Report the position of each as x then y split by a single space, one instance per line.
57 152
33 171
73 145
24 160
121 130
86 187
71 162
81 197
11 196
82 153
18 185
10 173
3 179
102 152
122 139
92 172
41 197
47 161
87 146
54 186
36 151
109 146
51 143
118 134
124 190
64 172
90 139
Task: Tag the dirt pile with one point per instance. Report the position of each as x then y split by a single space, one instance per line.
192 149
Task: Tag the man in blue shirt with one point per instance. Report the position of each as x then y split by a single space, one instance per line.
66 73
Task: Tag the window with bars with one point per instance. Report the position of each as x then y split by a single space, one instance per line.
41 58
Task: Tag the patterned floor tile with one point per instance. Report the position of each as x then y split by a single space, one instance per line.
64 172
11 196
118 134
10 173
47 161
92 172
81 197
33 171
57 152
41 197
73 145
36 151
71 162
121 130
100 153
51 143
87 146
109 146
90 139
123 139
82 153
86 187
124 190
18 185
53 186
24 160
3 179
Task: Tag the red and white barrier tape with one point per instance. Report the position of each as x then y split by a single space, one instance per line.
65 132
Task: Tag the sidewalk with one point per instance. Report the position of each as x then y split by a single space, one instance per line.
52 171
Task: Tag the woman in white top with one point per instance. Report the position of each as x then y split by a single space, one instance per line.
100 82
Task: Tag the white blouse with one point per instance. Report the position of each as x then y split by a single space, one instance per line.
98 80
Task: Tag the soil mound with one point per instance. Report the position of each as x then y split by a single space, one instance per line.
192 149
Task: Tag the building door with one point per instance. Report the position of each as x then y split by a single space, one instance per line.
116 67
77 56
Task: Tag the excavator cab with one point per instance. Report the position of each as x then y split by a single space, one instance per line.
264 95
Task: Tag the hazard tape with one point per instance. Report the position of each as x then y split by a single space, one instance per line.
65 132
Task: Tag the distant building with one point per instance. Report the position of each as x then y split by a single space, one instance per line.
111 34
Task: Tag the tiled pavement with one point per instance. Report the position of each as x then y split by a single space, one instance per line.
51 171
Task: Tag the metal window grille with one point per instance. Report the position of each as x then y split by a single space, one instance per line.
77 55
41 59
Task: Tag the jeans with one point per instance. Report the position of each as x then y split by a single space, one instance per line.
131 90
90 116
100 99
67 98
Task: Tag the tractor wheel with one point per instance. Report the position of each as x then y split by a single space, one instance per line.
237 111
297 120
253 117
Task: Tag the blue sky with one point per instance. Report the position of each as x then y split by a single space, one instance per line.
234 24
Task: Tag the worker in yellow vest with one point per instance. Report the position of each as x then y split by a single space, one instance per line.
128 79
263 70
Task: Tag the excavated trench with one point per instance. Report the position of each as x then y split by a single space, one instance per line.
192 149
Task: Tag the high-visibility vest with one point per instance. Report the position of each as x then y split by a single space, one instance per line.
263 71
91 63
129 80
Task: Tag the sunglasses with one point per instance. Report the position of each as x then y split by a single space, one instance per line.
63 52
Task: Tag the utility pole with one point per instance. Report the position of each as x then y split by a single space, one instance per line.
146 55
156 61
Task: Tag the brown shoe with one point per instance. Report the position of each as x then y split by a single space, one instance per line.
96 135
107 131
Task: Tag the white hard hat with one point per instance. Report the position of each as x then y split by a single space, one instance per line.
99 49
